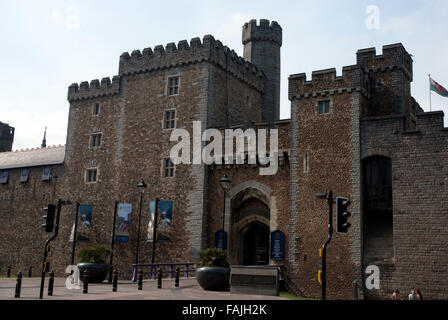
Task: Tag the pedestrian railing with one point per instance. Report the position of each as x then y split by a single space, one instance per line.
167 268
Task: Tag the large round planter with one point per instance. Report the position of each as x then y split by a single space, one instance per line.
97 272
213 279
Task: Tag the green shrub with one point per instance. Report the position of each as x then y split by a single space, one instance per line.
212 257
98 254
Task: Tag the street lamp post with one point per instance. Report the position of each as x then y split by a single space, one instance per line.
225 181
141 186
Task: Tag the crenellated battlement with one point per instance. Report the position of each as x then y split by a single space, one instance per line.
263 31
325 82
94 89
209 50
394 56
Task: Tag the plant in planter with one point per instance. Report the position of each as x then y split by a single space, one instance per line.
93 260
214 273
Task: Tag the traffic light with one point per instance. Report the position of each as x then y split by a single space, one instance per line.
342 214
50 211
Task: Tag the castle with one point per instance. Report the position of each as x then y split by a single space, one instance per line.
361 135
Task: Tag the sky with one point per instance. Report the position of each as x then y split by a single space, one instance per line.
48 45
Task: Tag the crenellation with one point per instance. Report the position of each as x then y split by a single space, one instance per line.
93 90
264 31
209 50
324 82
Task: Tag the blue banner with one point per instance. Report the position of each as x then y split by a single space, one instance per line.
277 245
218 240
123 222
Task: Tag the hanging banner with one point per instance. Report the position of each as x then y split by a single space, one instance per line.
152 213
82 233
219 244
123 222
164 221
277 245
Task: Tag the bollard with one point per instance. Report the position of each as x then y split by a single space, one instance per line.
51 283
115 281
176 280
30 272
140 279
8 273
85 287
159 279
18 285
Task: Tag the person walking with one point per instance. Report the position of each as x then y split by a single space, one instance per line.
419 295
412 295
395 294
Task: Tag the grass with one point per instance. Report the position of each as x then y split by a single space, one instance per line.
293 297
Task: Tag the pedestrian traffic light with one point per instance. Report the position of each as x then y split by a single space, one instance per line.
49 218
342 215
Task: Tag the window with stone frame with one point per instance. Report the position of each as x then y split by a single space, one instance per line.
46 174
24 175
91 175
323 106
4 177
96 109
168 168
169 119
306 163
95 140
173 86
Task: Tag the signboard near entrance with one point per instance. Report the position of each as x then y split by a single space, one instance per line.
218 240
277 245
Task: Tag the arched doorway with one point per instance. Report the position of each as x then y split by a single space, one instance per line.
377 209
255 244
249 228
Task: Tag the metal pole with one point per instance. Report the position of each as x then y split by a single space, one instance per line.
47 248
430 102
138 230
75 229
223 219
112 243
153 257
324 247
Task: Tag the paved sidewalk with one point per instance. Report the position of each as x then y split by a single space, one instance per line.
188 290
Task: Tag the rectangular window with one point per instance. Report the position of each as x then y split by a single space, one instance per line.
170 119
46 174
96 109
24 175
324 106
95 140
173 86
306 163
168 168
4 177
91 175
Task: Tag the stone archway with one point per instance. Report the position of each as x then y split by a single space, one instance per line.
250 223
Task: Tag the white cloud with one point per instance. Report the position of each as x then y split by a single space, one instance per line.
71 18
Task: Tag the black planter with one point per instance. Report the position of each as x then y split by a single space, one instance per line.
213 279
97 272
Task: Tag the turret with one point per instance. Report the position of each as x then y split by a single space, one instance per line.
262 48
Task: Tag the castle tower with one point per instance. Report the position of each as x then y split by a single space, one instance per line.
262 48
6 137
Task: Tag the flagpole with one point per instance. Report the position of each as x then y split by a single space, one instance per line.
430 102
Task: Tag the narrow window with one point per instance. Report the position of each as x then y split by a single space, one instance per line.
306 163
168 168
24 175
95 140
324 106
173 86
96 109
170 119
46 174
91 175
4 177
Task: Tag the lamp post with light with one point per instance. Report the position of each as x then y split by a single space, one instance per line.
225 181
141 186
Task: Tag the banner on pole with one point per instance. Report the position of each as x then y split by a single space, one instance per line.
83 230
123 222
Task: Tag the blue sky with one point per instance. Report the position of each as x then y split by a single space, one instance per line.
48 45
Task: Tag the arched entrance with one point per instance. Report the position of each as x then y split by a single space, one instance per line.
249 228
255 244
377 209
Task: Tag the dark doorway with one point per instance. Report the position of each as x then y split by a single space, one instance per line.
256 244
377 208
